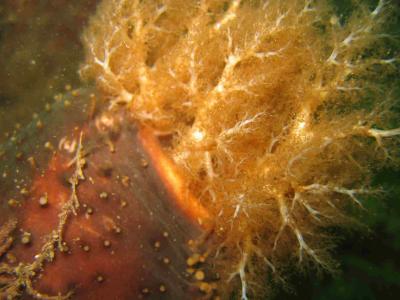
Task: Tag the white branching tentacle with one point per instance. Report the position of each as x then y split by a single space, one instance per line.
378 135
379 8
317 188
240 206
304 247
229 15
241 272
307 7
241 127
313 212
301 155
285 219
109 78
288 221
209 165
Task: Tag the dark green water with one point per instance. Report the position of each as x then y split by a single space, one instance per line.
370 262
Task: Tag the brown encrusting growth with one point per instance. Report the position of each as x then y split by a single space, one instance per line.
224 142
278 112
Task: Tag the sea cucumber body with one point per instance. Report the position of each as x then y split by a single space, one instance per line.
129 238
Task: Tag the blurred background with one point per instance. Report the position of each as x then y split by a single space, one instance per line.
40 52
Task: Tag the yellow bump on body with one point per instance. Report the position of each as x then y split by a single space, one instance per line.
11 259
48 146
157 245
166 260
103 195
144 163
26 238
24 191
31 161
192 260
205 287
117 229
43 200
39 124
19 155
199 275
12 203
125 181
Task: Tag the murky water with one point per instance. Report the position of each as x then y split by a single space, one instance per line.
40 52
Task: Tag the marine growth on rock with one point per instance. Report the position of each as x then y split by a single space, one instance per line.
211 150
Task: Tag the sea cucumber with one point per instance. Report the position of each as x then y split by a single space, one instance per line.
264 123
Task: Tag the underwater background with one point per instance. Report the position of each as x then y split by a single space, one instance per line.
40 52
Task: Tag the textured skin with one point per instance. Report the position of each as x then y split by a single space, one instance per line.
129 237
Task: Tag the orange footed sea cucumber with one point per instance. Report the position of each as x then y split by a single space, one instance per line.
96 212
221 142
